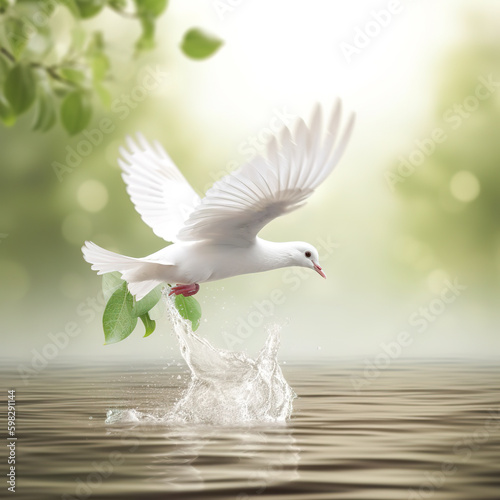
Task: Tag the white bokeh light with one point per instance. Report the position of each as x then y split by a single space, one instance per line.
92 195
464 186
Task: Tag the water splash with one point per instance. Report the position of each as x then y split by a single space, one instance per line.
226 387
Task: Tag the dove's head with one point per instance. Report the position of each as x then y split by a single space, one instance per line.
305 255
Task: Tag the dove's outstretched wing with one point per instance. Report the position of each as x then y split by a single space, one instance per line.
238 206
160 193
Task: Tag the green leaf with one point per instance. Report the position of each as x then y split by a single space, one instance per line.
97 43
150 7
147 39
72 75
17 37
75 111
147 303
7 116
118 321
100 65
103 94
149 324
117 4
90 8
198 44
110 283
20 88
46 115
3 6
61 92
190 309
4 68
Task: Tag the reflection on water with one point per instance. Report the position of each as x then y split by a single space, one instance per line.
419 430
202 459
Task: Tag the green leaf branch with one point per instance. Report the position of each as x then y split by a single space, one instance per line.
66 89
122 312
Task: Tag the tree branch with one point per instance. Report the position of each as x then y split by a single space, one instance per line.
7 54
50 70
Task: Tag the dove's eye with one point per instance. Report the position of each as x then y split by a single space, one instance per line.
308 254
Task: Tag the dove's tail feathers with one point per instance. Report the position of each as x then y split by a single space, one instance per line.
104 261
141 275
141 288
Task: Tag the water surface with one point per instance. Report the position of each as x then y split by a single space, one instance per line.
417 430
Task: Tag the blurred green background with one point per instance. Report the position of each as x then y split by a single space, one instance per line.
406 214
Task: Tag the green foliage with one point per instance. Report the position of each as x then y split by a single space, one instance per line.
110 283
89 8
20 88
198 44
443 230
145 305
122 311
45 117
16 39
7 116
148 11
28 38
190 309
149 324
75 111
151 8
118 321
147 40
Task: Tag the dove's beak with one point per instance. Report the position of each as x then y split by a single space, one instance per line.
318 269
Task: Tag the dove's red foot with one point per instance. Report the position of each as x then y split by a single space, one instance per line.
186 290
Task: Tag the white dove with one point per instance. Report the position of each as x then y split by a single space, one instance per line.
216 237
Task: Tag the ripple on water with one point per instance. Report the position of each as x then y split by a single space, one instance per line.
393 439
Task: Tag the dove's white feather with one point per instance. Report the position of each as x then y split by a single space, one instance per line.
160 193
141 275
238 206
216 238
